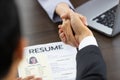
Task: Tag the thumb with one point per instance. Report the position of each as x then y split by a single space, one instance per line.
64 16
75 20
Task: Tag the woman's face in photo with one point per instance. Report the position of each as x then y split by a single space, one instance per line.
33 60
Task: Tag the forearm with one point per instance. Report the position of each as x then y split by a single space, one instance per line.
90 64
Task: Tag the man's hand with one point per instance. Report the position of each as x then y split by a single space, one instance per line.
65 30
82 18
29 78
66 35
80 29
63 10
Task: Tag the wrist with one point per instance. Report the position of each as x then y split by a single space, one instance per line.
89 40
84 35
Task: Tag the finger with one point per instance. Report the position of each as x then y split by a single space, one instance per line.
19 79
66 15
62 34
72 41
29 77
62 37
60 31
83 19
76 23
69 37
38 79
64 40
59 26
68 33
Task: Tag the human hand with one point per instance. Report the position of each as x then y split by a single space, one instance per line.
29 78
63 10
80 16
66 35
66 26
80 29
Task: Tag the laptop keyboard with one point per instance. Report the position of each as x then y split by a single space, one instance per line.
107 18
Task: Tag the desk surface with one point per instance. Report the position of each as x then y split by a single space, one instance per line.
38 29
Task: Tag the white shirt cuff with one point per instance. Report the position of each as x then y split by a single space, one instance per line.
90 40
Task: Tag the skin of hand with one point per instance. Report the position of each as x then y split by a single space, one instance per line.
81 31
29 78
63 10
66 30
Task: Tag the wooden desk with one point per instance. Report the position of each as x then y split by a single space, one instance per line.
38 29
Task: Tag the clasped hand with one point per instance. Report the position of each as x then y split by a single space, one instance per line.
73 29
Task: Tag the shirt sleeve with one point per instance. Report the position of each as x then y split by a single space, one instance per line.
50 5
90 40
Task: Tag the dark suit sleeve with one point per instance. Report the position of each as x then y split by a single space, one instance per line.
90 64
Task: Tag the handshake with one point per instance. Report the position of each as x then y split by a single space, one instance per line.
73 28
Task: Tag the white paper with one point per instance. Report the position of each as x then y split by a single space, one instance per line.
51 61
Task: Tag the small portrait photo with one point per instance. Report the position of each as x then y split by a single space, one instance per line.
33 60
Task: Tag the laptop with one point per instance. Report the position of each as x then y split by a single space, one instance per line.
102 15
